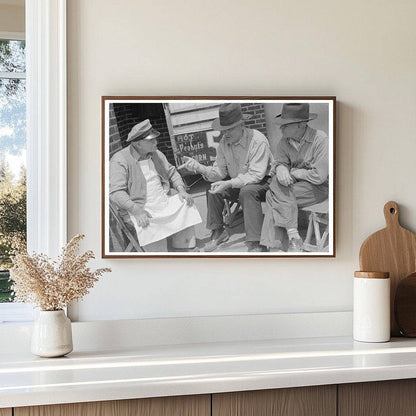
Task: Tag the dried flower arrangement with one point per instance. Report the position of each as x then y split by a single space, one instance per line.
53 285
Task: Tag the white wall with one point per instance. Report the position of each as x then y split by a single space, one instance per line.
363 52
12 18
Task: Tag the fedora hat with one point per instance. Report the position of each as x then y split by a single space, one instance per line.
295 113
142 131
230 115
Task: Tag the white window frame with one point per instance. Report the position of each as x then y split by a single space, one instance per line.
14 312
46 127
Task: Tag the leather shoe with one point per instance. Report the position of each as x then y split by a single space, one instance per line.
255 247
218 236
295 245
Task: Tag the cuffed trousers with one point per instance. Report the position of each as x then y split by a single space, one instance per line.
250 197
285 200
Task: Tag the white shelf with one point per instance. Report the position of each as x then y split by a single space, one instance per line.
151 371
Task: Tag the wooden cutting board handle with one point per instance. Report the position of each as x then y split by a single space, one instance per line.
391 214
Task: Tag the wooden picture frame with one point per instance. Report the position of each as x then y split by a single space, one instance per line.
184 126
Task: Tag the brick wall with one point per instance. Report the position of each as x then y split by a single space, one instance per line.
127 115
257 120
124 116
115 141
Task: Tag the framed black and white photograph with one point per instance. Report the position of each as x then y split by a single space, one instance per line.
218 177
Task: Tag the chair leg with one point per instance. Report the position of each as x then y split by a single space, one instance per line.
116 238
321 244
316 228
314 231
234 214
121 231
308 237
132 241
231 210
323 219
227 212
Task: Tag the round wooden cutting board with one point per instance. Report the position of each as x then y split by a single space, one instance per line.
393 250
405 306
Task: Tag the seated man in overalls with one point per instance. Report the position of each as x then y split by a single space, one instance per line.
299 174
243 156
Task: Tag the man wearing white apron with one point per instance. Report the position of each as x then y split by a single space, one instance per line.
140 179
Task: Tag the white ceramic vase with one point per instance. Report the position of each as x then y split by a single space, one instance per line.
52 334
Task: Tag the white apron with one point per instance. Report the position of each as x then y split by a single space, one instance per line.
169 214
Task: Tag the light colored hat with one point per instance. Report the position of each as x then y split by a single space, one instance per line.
142 131
230 115
295 113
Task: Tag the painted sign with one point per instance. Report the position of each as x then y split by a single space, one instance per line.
200 145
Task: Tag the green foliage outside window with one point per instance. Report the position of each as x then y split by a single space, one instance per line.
12 223
12 145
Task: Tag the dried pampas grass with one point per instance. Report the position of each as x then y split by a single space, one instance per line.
53 285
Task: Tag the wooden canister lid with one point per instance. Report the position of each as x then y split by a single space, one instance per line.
372 275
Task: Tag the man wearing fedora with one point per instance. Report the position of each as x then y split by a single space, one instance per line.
299 173
140 179
240 172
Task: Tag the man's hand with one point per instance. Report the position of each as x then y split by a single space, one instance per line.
143 219
297 173
219 187
191 164
184 196
283 176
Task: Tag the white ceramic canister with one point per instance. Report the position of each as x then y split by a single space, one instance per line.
371 314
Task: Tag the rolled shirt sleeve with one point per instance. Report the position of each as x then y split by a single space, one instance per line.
282 156
311 165
218 170
318 170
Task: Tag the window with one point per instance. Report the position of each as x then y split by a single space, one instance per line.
12 153
46 135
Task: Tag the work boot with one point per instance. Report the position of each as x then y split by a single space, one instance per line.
295 245
218 236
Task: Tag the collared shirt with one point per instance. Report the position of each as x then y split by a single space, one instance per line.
310 159
246 161
297 144
128 189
